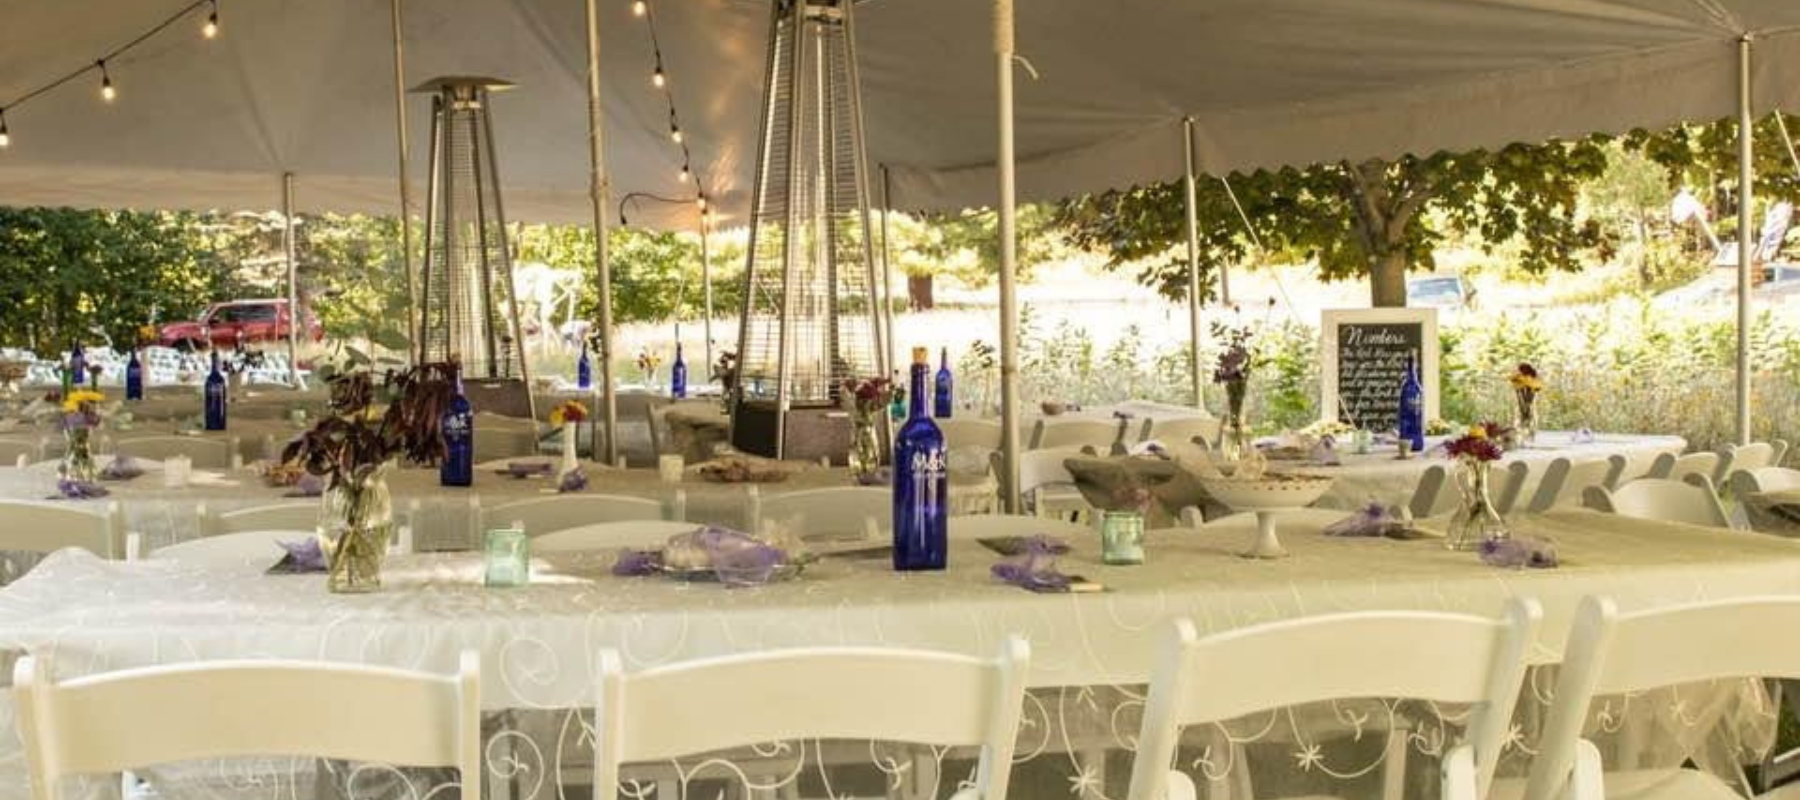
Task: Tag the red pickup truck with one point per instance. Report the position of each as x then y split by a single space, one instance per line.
238 321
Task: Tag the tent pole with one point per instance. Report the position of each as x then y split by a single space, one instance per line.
706 289
597 190
406 238
1746 236
1009 311
295 317
887 273
1193 256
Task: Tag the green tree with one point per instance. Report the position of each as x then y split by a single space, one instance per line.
1374 219
965 247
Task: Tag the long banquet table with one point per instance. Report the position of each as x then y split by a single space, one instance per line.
1090 651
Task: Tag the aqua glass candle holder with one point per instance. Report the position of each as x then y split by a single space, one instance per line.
1122 537
508 558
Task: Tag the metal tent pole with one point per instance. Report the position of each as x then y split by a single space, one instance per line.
1746 236
1193 258
597 190
887 274
706 288
295 317
1009 311
405 155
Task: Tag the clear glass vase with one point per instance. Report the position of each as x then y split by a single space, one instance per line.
1234 436
1524 427
356 521
865 447
1122 537
78 457
1476 521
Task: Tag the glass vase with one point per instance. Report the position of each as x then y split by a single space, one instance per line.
865 447
356 521
1122 537
571 456
1476 521
78 457
1233 436
1524 428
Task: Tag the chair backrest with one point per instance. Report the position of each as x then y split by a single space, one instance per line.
35 526
1445 658
234 548
610 535
1705 465
825 693
986 526
1763 479
206 452
134 718
653 417
11 450
301 516
1612 653
1661 466
981 433
1564 481
1512 485
1692 502
1757 454
542 515
851 512
1039 468
1435 493
1096 433
1182 430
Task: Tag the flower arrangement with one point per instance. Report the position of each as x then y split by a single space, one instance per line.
1525 385
81 409
1235 361
725 370
1482 444
868 396
353 441
1526 379
568 412
647 362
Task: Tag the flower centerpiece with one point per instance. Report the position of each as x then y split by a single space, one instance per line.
1525 385
567 416
80 417
866 399
1233 372
353 448
1476 521
647 362
725 371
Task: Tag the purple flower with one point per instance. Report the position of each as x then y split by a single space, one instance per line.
572 481
632 563
1519 552
1035 567
121 468
78 490
1372 520
304 555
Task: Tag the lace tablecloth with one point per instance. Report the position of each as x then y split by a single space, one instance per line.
1091 651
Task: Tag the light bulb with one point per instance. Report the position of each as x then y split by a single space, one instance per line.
211 28
5 138
107 92
684 174
701 202
657 78
675 133
638 7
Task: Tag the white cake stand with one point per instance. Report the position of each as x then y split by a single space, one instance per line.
1267 496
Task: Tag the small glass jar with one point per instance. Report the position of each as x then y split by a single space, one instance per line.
1122 537
669 467
508 553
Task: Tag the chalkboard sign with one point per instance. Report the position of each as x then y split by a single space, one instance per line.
1365 355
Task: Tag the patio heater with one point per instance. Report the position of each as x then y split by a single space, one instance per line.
809 307
468 308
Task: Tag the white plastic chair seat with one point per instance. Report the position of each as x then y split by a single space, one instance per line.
233 548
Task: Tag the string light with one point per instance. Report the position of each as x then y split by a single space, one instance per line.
639 7
107 92
5 138
657 78
685 173
211 28
675 133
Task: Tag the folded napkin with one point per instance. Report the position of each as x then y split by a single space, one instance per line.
1034 568
300 557
78 490
309 485
1518 552
121 468
737 558
572 481
1374 519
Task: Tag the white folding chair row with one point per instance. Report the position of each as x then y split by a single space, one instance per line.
250 545
993 526
1437 492
1046 484
1693 501
1565 482
34 526
542 515
844 512
1099 434
1673 467
1182 430
206 453
302 515
1753 456
611 535
973 433
20 452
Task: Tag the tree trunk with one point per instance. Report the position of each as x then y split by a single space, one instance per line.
918 292
1387 280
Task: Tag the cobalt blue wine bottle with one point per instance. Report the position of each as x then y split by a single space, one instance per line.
921 482
944 401
78 373
134 378
215 396
584 369
678 375
1411 422
458 429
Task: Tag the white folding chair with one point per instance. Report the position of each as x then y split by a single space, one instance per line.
1691 502
1512 486
1182 430
1755 455
812 693
297 516
34 526
990 526
233 548
1565 482
1046 484
1077 433
1610 653
12 450
1435 494
206 452
541 515
1441 658
841 512
1673 467
976 433
610 535
114 722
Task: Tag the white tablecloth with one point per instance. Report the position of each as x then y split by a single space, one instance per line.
1379 477
538 641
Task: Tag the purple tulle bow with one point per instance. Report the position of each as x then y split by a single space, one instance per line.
1373 520
1033 569
78 490
735 557
632 563
1519 552
572 481
121 468
303 556
309 485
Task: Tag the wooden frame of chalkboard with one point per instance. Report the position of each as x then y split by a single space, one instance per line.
1377 343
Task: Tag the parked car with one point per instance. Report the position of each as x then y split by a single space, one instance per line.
237 322
1439 291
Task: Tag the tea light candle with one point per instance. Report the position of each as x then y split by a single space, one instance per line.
670 467
176 471
508 558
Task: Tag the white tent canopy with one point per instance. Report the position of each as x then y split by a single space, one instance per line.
306 87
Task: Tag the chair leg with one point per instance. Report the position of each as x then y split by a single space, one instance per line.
1092 763
1393 765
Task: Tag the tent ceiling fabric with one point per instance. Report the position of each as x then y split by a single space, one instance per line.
306 87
